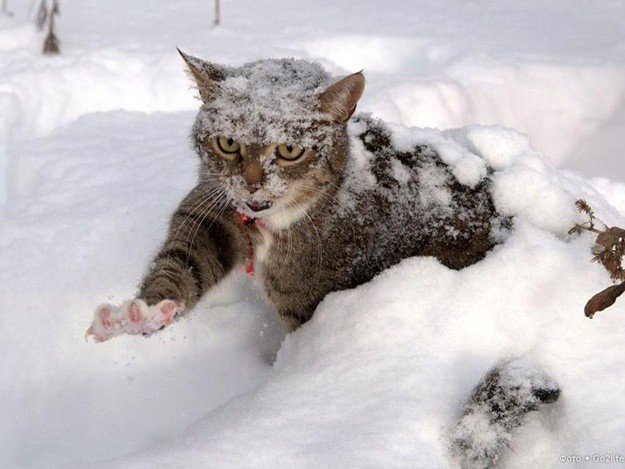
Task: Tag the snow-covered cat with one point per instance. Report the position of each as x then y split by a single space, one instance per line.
310 200
312 205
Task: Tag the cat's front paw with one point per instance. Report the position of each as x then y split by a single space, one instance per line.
132 317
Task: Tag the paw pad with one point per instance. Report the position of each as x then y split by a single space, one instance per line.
132 317
134 312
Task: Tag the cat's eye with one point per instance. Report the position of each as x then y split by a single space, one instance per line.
289 152
228 146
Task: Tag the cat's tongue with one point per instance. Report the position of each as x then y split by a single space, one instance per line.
257 206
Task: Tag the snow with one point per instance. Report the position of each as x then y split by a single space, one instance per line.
380 372
95 154
268 101
466 167
496 408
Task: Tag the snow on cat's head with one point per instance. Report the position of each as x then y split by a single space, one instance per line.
272 133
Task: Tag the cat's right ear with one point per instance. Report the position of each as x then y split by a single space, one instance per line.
205 74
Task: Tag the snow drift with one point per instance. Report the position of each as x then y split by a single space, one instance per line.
376 377
380 373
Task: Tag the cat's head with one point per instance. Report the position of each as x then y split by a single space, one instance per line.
272 134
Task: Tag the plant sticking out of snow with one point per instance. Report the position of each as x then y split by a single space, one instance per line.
5 9
217 21
42 15
608 251
45 15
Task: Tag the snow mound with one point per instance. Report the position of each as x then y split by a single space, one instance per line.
38 95
381 372
572 112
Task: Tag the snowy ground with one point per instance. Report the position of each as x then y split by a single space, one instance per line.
94 156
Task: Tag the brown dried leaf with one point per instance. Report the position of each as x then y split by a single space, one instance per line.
603 299
611 237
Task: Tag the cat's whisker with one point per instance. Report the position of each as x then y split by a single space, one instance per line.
324 194
204 198
223 206
198 223
196 227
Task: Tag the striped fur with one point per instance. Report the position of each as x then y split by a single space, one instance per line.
204 244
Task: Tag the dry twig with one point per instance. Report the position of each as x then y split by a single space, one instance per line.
42 15
51 42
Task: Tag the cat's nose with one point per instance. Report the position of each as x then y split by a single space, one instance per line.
252 172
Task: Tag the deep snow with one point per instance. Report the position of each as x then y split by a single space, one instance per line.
97 156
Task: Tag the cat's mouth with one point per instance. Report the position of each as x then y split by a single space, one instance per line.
259 206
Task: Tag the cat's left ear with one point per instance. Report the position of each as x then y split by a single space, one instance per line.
340 99
205 74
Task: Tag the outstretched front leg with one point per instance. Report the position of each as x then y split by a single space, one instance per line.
204 244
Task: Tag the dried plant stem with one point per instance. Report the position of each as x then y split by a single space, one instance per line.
217 12
42 15
45 14
51 43
5 8
608 251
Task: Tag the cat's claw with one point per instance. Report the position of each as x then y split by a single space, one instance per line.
132 317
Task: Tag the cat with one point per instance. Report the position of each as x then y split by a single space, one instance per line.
304 195
300 209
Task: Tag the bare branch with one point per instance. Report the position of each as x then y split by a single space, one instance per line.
42 14
51 44
217 12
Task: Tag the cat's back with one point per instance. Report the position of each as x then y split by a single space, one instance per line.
407 201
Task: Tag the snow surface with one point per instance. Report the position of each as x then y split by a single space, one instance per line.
268 101
94 156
